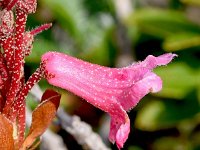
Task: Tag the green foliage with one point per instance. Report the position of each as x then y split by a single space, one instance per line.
175 80
171 26
86 32
191 2
40 47
159 114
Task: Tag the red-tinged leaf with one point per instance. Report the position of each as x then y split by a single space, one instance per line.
42 116
49 94
6 132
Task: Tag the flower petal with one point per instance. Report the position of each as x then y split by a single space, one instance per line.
59 63
151 61
150 83
119 126
111 89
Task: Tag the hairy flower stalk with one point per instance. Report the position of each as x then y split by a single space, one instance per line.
113 90
16 44
18 57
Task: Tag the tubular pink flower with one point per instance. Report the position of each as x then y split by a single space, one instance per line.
114 90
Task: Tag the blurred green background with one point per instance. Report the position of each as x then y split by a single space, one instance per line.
116 33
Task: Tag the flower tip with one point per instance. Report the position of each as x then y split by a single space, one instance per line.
122 135
165 58
50 24
170 55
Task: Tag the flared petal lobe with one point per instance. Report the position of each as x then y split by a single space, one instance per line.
113 90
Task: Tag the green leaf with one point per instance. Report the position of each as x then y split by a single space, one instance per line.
159 114
161 23
178 80
87 33
40 46
191 2
181 41
134 148
172 143
69 13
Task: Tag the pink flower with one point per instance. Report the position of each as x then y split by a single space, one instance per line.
113 90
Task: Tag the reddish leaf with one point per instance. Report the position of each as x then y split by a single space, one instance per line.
49 94
6 132
42 116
